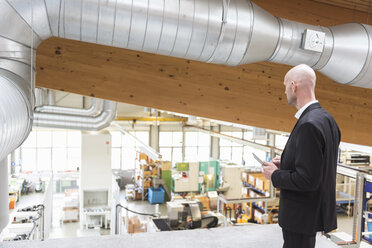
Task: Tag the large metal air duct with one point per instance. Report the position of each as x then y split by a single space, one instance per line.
71 119
94 109
229 32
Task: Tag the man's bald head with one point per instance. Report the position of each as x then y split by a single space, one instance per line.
303 75
300 84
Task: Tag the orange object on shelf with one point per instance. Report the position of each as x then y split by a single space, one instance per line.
11 203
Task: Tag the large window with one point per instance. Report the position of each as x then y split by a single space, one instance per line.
281 141
124 148
197 146
230 150
238 153
170 146
46 150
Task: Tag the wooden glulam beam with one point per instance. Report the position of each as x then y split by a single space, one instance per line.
250 94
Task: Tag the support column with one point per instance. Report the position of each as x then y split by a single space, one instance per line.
12 162
4 194
215 143
154 137
271 142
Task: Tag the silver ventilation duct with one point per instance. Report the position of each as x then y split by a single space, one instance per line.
94 109
99 115
74 121
230 32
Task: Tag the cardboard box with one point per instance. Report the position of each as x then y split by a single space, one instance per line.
245 177
143 156
252 178
71 201
147 183
138 195
135 225
72 214
147 173
155 171
205 201
166 165
262 183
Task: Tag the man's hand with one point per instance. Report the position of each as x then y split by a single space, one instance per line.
268 169
276 161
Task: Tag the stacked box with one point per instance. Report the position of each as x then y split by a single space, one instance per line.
252 178
135 225
205 201
143 156
262 183
70 214
147 173
166 165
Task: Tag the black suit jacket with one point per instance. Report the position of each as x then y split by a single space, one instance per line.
307 177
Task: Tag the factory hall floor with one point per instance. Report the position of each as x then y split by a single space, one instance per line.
73 230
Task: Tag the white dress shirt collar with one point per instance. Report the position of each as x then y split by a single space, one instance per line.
301 110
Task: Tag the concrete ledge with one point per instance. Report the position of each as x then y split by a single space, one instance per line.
254 236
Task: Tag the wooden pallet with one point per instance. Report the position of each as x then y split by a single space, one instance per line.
70 208
70 221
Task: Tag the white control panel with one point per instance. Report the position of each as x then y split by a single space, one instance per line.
313 40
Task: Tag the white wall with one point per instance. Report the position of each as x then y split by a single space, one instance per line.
96 171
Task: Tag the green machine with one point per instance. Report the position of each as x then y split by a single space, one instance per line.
210 172
167 178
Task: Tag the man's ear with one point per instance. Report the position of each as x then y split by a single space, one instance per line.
294 86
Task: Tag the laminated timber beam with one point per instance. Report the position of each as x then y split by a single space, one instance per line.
249 94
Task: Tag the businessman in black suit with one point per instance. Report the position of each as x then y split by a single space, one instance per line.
306 171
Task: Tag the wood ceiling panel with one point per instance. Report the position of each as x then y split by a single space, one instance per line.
312 12
361 5
250 94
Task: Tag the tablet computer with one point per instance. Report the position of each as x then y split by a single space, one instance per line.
257 158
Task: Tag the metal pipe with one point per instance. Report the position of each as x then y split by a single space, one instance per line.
117 218
358 208
229 32
88 123
94 109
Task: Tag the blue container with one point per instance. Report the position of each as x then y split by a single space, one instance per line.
369 225
156 196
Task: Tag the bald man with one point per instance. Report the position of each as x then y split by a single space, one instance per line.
306 171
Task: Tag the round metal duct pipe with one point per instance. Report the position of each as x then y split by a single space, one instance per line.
94 110
79 122
230 32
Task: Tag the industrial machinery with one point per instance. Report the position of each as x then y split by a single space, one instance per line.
209 172
186 179
230 181
26 224
185 214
